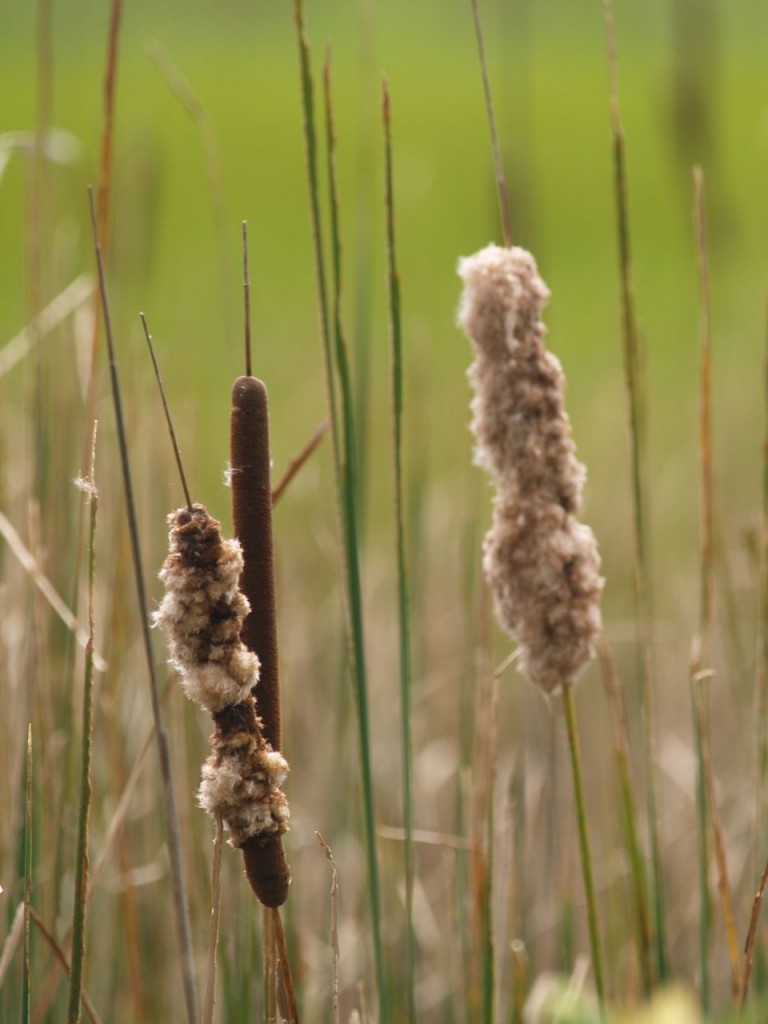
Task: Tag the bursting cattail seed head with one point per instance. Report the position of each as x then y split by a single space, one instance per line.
202 613
541 562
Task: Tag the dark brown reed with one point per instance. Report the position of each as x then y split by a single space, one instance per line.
252 521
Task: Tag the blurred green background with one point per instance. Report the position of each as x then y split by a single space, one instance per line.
682 62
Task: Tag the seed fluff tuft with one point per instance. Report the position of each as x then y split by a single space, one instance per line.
202 613
541 562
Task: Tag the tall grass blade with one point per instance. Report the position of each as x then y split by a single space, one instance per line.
178 883
700 653
396 345
498 162
334 928
310 146
26 988
64 965
209 996
82 863
103 202
700 671
629 815
349 503
761 697
749 944
586 853
641 566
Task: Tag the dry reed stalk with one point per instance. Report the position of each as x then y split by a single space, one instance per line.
334 928
749 944
61 959
203 612
103 200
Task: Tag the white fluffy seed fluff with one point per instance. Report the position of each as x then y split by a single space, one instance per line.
202 614
541 562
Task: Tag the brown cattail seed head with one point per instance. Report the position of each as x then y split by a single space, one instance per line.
202 613
542 563
252 518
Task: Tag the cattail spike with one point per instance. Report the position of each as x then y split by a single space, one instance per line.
247 300
252 518
166 408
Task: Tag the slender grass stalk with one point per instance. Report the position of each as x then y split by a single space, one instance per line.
103 202
699 670
480 778
498 162
209 996
26 987
63 963
749 945
403 600
310 146
167 411
299 460
586 855
366 189
178 883
761 695
723 884
30 565
82 863
489 944
705 899
629 814
641 567
68 301
334 928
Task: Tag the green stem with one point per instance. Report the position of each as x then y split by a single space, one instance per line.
395 319
81 872
586 855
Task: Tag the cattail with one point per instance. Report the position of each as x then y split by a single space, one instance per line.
203 613
265 864
541 562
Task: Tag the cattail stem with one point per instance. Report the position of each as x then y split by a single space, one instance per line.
586 854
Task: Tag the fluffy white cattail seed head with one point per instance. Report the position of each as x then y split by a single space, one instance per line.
202 613
541 562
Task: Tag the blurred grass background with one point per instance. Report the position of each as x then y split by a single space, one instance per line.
678 60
